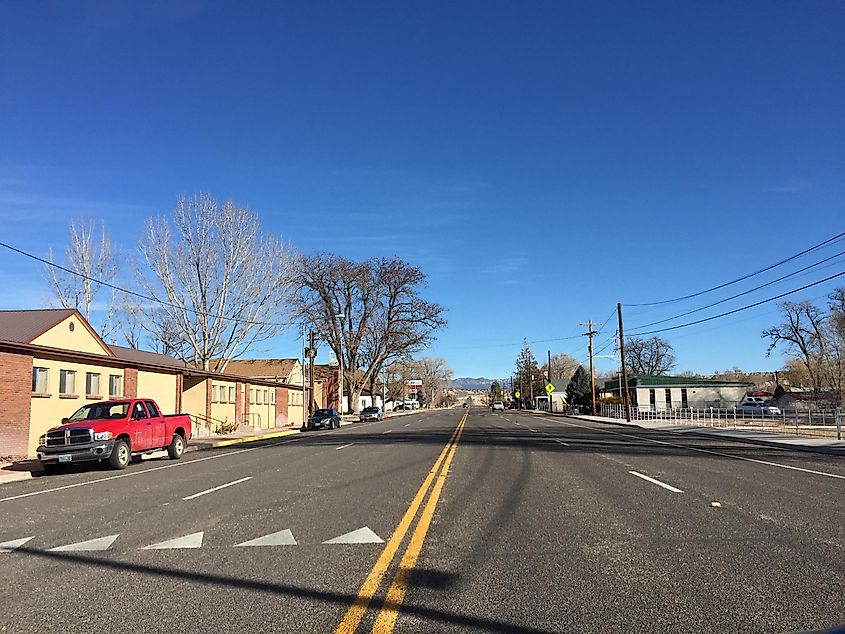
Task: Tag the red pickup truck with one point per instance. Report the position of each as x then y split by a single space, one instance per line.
113 431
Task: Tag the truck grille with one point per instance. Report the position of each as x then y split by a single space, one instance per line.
64 437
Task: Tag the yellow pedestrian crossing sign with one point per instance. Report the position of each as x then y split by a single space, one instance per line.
549 388
516 394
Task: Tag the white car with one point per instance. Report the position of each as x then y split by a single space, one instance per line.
497 405
757 405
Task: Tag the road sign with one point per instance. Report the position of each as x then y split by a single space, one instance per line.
516 394
549 388
415 383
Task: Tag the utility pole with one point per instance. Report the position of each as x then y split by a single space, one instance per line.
549 377
626 398
304 348
340 364
311 354
591 333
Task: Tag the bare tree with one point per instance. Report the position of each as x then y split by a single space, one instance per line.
225 282
370 312
802 333
436 376
90 254
563 366
653 356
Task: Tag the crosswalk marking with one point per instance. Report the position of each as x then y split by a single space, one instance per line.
7 547
282 538
194 540
100 543
363 535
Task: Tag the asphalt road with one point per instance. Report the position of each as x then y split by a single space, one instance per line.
504 522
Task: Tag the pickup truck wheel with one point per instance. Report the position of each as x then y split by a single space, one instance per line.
120 455
176 447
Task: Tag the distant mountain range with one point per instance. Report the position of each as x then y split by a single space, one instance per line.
469 383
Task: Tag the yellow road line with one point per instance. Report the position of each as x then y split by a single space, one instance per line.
396 593
356 611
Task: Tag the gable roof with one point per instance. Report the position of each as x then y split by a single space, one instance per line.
143 356
23 326
261 367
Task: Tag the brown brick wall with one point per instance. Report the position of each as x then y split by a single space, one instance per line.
179 389
130 382
239 402
282 403
208 398
16 379
246 401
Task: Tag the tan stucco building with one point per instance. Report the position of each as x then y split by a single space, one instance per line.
52 362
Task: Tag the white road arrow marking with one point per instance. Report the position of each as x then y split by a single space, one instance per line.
282 538
101 543
7 547
194 540
361 536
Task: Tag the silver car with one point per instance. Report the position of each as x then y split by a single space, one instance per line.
757 407
497 405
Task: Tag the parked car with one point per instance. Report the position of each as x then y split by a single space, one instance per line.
113 431
497 405
466 405
370 413
324 419
755 405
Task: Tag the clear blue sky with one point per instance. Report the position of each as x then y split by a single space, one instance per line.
540 160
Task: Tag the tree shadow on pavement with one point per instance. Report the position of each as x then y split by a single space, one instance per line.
431 578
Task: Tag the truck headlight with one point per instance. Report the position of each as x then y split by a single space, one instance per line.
102 435
42 440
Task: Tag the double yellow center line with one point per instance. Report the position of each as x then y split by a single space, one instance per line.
396 592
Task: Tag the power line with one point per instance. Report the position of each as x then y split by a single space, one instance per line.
756 288
745 277
148 298
737 310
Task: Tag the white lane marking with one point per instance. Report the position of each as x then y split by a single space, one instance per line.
282 538
407 424
534 430
194 540
363 535
100 543
708 451
387 432
7 547
222 486
344 446
562 443
181 463
669 487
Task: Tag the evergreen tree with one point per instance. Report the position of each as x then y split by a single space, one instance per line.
578 392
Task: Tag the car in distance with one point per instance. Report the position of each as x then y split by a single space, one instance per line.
113 431
370 413
497 406
324 419
757 407
466 405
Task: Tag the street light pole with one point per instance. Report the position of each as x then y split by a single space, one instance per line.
340 318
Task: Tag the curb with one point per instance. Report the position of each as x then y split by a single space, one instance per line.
200 446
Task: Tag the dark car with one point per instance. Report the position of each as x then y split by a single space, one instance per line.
324 419
370 413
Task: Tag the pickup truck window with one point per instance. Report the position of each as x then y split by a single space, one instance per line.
100 410
151 408
138 412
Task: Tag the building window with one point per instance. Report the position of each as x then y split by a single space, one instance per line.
251 396
272 397
92 384
39 380
266 398
115 387
668 398
231 395
684 399
652 399
67 382
222 397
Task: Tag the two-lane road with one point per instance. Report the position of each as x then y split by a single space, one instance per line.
436 522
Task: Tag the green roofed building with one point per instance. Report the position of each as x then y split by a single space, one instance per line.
667 392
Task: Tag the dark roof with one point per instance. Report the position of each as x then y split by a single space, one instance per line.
650 380
324 371
142 356
25 325
261 367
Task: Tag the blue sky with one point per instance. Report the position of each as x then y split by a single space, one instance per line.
540 160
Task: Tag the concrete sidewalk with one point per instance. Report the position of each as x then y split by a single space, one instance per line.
774 439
